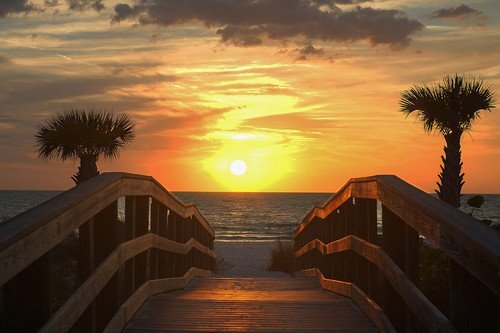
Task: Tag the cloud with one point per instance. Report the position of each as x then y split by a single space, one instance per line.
4 60
81 5
351 2
51 3
36 89
15 6
251 22
462 14
310 50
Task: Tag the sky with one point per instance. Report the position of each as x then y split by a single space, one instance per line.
305 92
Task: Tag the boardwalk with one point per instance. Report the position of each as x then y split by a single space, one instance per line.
130 269
250 304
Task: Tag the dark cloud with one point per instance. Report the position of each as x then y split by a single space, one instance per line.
462 13
310 50
250 22
81 5
462 10
15 6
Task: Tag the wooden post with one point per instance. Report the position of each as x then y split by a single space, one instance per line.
162 231
130 216
153 253
338 233
105 227
473 307
349 227
365 227
400 242
141 228
26 297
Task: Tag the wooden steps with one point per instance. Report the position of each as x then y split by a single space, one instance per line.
250 305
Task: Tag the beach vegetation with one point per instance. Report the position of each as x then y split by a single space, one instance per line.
222 265
282 257
86 136
449 108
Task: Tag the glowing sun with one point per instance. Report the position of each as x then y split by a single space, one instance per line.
238 167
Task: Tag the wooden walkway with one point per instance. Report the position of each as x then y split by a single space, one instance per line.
250 305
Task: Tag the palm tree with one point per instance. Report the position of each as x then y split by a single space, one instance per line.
449 108
86 136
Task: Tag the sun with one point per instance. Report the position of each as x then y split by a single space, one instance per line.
238 167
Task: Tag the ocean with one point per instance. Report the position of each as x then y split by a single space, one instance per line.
238 216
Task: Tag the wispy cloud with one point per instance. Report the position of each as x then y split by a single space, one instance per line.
461 14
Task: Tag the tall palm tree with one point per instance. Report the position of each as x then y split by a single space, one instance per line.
449 108
86 136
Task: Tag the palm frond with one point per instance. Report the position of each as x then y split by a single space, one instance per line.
450 105
75 133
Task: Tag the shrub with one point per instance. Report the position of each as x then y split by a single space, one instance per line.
282 257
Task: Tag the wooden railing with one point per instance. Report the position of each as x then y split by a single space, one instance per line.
159 245
379 269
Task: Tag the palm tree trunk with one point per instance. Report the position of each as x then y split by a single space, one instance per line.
464 314
87 169
451 178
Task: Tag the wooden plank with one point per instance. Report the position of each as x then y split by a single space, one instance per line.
246 304
393 244
105 225
473 245
426 312
152 287
67 315
26 237
26 298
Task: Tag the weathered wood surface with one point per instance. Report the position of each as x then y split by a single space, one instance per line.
368 306
28 236
428 314
471 244
250 304
67 315
152 287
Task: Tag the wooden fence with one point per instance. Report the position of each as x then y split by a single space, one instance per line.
378 266
159 244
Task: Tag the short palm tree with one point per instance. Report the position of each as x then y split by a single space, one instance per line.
449 108
85 136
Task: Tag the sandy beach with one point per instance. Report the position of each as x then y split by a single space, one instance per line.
249 259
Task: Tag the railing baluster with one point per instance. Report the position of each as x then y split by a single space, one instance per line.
130 216
163 232
26 297
153 253
141 228
393 243
105 225
349 229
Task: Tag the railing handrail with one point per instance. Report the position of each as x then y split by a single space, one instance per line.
473 245
72 309
428 314
29 235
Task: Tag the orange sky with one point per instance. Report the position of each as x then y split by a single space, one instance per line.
302 122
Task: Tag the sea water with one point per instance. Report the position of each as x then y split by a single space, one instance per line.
239 216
